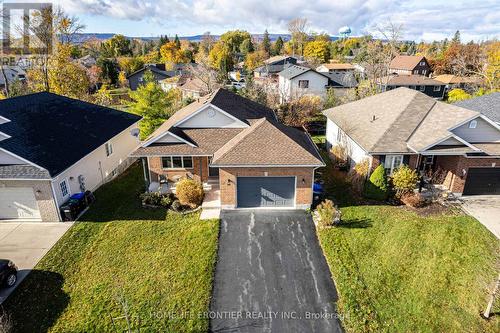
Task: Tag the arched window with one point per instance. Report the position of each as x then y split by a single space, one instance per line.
473 124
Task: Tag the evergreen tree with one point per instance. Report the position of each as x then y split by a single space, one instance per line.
177 42
163 40
266 43
456 38
278 46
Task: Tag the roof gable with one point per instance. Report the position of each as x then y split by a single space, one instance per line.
210 116
406 62
268 143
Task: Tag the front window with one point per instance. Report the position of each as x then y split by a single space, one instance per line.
392 162
437 88
64 188
304 84
421 88
109 148
177 162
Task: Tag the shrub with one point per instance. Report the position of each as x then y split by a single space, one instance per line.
414 200
189 192
376 187
327 213
339 156
177 206
404 180
357 175
157 199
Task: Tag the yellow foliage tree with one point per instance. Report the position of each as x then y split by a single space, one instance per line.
317 50
255 59
171 54
122 79
220 57
66 77
493 64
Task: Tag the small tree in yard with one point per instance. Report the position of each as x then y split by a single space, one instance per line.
376 187
327 213
358 174
189 192
404 180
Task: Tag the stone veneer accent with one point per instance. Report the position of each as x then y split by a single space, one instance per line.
45 199
303 191
200 174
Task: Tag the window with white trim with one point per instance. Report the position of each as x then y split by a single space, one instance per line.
392 162
473 124
421 88
64 188
304 84
109 148
437 88
177 162
422 63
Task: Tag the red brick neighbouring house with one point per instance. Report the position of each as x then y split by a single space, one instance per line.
237 143
404 126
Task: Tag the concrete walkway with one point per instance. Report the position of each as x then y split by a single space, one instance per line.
211 203
25 243
486 209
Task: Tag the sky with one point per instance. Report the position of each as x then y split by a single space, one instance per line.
421 19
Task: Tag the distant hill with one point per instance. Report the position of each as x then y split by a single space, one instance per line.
82 37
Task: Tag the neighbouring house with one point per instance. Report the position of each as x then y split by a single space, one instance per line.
489 105
274 65
237 145
159 71
404 126
52 147
342 76
190 87
407 65
467 83
296 81
430 87
12 74
87 61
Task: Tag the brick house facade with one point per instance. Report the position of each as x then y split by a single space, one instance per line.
199 171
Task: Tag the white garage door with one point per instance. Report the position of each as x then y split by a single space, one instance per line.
18 203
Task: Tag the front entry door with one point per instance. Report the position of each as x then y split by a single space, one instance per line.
212 172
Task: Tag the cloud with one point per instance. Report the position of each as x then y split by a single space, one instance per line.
422 19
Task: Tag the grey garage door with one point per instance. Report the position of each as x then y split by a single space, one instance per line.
484 181
265 192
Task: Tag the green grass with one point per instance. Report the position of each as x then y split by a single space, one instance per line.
398 271
161 264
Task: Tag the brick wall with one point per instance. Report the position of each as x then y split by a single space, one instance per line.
455 166
199 170
303 189
44 197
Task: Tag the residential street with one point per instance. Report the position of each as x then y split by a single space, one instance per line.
272 274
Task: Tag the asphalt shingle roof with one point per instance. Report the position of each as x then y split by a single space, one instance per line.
55 132
405 62
23 172
489 105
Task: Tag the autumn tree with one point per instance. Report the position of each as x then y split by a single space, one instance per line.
298 31
220 57
234 38
317 51
492 69
152 103
246 47
300 111
108 70
116 46
130 64
172 54
255 59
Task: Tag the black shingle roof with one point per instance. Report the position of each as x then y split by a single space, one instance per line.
55 132
240 107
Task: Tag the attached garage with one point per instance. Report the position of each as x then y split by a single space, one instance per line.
18 203
482 181
276 192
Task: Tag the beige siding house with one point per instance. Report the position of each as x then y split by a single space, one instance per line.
52 147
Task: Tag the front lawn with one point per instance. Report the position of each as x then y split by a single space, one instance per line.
122 262
399 271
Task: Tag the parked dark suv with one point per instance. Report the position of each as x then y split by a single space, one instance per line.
8 273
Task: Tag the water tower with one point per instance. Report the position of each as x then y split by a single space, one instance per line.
344 32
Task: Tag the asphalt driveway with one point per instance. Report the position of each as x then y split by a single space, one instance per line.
271 275
25 243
